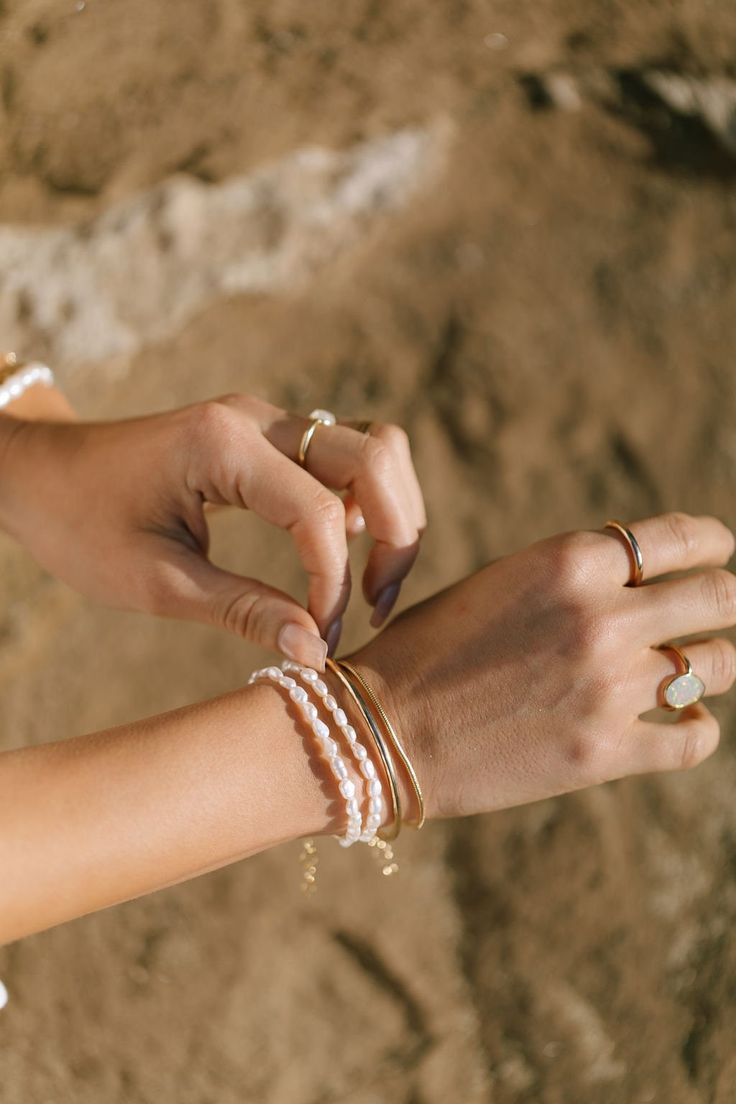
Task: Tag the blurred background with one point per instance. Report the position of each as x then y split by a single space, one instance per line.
509 227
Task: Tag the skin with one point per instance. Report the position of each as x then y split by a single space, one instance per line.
540 670
119 511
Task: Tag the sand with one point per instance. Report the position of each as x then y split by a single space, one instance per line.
513 232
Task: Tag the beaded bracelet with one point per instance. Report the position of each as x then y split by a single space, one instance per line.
365 764
17 377
345 785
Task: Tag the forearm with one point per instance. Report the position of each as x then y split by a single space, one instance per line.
95 820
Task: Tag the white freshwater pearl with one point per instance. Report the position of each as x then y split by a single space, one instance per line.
360 752
299 694
338 768
373 821
375 806
288 682
353 808
347 788
341 719
368 769
310 712
330 703
374 788
320 729
272 673
320 687
3 995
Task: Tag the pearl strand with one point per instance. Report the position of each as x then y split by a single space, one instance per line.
365 764
345 785
27 376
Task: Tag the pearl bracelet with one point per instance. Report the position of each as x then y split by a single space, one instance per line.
300 697
21 377
365 763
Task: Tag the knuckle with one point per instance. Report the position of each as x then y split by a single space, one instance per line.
723 663
240 615
682 531
583 755
720 594
214 417
377 457
394 436
573 556
699 740
327 512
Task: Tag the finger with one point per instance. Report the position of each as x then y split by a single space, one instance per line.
188 586
373 471
671 542
354 520
400 442
255 475
714 661
683 607
668 747
286 495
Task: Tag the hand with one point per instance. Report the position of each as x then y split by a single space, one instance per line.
529 678
117 510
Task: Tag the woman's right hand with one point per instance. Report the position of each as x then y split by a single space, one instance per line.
529 678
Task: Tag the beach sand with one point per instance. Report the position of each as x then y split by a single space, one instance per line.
511 229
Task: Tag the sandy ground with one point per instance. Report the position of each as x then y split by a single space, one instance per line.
544 293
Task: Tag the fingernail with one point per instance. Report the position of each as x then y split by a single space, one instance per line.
357 525
332 635
384 604
299 644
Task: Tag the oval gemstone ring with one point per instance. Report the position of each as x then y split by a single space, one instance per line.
685 688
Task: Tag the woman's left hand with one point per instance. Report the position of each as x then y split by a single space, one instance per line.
117 510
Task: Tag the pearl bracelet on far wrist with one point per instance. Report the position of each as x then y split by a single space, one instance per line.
17 377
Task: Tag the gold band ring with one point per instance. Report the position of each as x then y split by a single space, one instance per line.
637 560
683 689
318 418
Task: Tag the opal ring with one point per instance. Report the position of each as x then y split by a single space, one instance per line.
632 544
683 689
317 418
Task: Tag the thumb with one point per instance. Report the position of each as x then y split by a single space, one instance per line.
246 607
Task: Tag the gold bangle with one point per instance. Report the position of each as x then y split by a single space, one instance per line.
393 737
393 829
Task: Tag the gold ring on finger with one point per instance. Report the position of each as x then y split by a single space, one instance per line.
318 418
632 544
683 689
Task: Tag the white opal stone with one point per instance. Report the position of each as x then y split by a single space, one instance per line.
684 690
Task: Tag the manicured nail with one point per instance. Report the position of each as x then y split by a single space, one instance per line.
384 604
357 525
332 635
299 644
